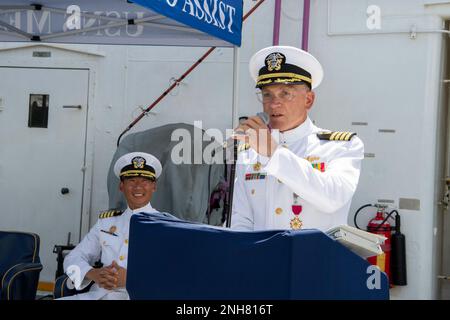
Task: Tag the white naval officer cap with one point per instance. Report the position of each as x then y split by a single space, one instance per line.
285 65
137 164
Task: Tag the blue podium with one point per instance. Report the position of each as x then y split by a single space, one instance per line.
170 259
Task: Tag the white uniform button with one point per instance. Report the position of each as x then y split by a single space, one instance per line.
253 191
278 211
126 241
121 258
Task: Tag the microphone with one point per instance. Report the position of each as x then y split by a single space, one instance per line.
230 141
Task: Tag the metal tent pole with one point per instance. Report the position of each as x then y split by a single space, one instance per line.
228 205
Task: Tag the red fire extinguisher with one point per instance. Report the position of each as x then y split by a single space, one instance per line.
380 225
393 259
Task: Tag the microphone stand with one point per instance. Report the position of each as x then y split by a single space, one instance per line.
228 205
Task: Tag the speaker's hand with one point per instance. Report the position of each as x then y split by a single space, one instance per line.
257 135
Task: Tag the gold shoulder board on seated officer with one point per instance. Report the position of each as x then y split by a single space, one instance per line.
110 213
336 135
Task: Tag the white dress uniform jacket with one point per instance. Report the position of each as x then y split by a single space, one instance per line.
102 244
324 174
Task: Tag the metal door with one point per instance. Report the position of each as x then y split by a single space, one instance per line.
43 120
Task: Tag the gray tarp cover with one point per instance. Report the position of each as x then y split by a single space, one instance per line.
182 189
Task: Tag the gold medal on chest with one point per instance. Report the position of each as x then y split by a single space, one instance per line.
296 223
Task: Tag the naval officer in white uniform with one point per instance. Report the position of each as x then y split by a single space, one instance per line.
108 239
292 174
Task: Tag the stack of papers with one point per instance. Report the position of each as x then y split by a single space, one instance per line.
364 244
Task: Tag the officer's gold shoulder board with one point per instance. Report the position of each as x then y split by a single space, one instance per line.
336 135
110 213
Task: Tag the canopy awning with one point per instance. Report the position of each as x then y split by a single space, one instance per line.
144 22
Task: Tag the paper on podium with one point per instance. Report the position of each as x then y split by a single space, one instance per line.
363 243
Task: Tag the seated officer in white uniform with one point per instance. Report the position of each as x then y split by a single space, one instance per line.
297 175
108 239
